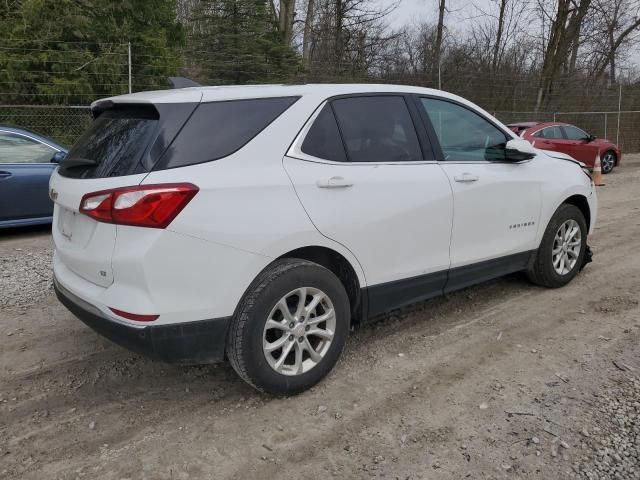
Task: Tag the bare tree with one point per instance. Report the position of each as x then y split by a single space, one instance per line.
564 31
616 24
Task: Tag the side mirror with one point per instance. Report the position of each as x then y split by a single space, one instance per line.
590 138
518 150
58 157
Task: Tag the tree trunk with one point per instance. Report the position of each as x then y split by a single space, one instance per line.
285 20
497 46
306 36
438 46
339 34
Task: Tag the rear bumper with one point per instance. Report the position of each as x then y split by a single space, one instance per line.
196 342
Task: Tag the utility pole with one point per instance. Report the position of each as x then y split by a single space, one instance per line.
129 52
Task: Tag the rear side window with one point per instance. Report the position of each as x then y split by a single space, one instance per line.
377 129
218 129
113 144
323 138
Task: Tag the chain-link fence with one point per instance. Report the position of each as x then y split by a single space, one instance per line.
66 123
622 127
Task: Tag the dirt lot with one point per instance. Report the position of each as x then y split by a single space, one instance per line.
503 380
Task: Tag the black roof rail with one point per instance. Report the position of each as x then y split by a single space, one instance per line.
182 82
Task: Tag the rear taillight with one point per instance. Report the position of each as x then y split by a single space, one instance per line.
153 206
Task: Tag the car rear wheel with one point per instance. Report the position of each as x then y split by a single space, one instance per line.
608 161
562 250
290 327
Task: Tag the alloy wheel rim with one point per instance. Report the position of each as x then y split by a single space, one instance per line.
607 162
299 331
566 247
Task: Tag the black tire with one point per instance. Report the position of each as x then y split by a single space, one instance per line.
244 342
541 270
608 167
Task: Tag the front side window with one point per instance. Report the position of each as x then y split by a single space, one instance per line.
20 149
464 135
550 133
574 133
377 129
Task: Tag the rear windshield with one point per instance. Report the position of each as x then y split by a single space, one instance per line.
136 139
113 143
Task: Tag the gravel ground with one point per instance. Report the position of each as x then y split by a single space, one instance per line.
615 437
499 381
25 278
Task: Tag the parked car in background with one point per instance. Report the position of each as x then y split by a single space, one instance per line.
27 160
569 139
257 223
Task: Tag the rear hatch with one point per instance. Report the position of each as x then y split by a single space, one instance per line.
118 150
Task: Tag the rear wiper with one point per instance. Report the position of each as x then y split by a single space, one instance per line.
78 162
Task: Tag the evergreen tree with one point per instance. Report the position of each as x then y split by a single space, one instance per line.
237 42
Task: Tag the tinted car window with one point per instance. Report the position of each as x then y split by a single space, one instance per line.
323 138
574 133
550 132
217 129
377 129
112 145
19 149
463 134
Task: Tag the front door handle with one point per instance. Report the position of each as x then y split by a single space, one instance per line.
466 178
334 182
4 175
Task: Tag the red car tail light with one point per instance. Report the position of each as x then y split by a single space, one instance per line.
153 206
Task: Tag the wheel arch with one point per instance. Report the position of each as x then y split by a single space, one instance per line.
582 203
341 267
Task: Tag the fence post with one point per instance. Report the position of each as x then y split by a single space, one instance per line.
619 108
605 124
129 52
554 116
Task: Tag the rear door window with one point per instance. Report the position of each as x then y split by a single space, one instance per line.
323 138
218 129
550 133
377 129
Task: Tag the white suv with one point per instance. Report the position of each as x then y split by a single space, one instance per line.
258 223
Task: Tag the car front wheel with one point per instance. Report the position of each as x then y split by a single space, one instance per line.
608 161
562 250
290 328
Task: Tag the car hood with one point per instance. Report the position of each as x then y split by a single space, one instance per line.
561 156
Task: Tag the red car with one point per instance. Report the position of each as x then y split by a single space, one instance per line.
569 139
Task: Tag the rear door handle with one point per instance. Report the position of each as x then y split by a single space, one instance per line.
466 178
5 175
334 182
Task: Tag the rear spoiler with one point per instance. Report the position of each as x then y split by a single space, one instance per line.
182 82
